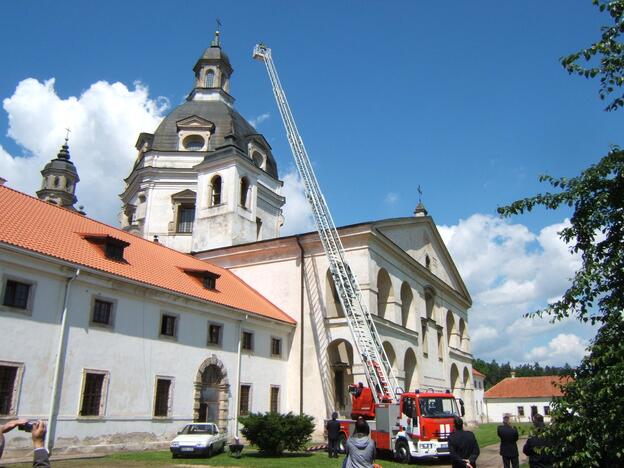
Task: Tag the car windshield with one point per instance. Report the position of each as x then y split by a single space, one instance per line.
198 429
438 407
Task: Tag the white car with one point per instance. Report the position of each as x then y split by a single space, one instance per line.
198 439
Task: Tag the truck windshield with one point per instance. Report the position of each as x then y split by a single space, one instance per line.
438 407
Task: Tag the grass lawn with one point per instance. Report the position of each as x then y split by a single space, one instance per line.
250 458
486 433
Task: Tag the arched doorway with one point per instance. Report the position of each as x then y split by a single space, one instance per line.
385 294
455 382
340 354
407 297
211 393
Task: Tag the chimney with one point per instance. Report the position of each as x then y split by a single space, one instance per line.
513 374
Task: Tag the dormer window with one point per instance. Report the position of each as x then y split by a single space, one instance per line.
193 143
208 278
258 159
112 247
194 133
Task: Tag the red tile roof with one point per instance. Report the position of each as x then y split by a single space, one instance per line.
527 387
475 372
41 227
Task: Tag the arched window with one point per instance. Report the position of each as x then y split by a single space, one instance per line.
210 79
215 191
244 189
193 142
57 181
427 262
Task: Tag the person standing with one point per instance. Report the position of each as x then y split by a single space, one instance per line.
360 447
508 436
333 433
534 446
463 446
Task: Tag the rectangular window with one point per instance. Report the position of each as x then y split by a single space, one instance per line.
247 341
162 398
8 381
245 396
521 411
533 410
16 294
102 312
276 347
274 404
168 325
92 394
546 410
186 216
214 334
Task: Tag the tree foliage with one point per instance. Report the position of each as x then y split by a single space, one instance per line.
586 427
273 432
596 231
605 57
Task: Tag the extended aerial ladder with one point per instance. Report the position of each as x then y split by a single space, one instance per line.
379 374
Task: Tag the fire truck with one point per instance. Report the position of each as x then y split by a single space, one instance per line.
416 425
408 424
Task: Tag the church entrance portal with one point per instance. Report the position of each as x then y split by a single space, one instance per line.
211 393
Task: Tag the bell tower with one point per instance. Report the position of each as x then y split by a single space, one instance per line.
205 178
59 179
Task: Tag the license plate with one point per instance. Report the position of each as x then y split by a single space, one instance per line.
187 449
444 445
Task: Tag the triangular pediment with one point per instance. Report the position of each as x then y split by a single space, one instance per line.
420 239
194 121
184 194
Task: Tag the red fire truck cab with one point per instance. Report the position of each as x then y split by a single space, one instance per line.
417 426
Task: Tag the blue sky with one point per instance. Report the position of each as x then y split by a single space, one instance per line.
465 99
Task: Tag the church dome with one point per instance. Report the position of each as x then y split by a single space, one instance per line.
230 128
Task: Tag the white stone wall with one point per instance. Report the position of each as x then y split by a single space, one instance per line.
132 352
496 408
274 269
478 383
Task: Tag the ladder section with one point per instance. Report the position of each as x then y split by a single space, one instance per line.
376 365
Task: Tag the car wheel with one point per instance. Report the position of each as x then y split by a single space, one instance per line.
174 455
402 453
222 448
342 443
209 452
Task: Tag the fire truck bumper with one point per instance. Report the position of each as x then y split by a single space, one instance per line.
431 448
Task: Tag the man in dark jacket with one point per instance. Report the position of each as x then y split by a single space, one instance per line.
508 436
463 446
333 432
534 447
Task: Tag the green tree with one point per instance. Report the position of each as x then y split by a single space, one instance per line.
586 427
605 57
273 432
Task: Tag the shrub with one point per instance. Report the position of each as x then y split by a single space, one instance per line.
273 433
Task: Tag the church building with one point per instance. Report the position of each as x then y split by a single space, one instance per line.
196 309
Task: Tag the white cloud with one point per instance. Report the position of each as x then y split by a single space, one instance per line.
509 272
483 333
259 119
391 198
561 349
105 121
297 212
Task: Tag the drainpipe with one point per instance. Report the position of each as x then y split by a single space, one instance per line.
238 376
60 365
301 317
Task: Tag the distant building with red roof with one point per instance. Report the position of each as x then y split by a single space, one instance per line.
478 381
522 397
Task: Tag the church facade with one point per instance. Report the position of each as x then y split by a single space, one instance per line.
139 345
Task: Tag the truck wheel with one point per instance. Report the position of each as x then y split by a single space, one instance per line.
342 443
402 452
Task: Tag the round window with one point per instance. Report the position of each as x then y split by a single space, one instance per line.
193 143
